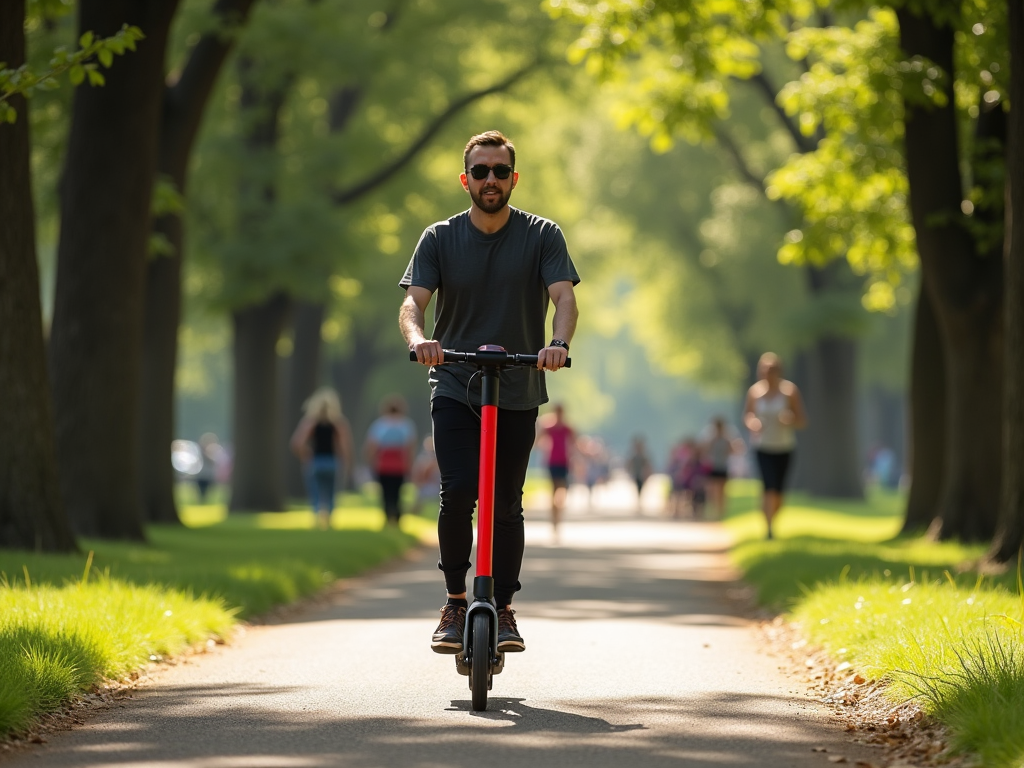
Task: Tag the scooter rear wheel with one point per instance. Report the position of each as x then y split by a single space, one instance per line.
480 673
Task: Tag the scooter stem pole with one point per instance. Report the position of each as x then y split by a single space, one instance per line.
488 459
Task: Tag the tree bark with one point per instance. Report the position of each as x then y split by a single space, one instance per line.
1010 532
351 376
96 336
832 429
184 103
927 418
258 474
31 513
302 377
966 289
828 458
257 482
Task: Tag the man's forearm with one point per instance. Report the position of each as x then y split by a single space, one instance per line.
410 321
563 324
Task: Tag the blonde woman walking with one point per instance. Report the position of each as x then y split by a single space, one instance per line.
323 442
773 411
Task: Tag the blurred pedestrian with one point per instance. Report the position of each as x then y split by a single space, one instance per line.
594 459
558 442
772 413
687 472
638 464
323 442
390 450
213 456
719 444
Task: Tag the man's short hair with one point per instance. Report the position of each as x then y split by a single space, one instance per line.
490 139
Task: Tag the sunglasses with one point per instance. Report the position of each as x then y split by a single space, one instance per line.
480 172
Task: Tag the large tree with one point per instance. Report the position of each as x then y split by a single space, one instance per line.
185 98
894 94
96 337
1010 532
964 284
31 514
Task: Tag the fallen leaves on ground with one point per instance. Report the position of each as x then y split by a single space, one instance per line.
906 737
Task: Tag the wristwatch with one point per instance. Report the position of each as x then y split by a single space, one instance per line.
559 343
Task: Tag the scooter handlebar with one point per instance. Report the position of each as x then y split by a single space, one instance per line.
488 357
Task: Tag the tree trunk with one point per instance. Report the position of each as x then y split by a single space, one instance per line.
828 460
832 429
884 424
351 376
966 289
1010 533
183 105
302 377
31 514
96 336
257 479
927 419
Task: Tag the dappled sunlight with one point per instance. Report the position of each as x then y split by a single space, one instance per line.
716 730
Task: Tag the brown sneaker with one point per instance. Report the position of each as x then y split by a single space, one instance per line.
448 635
509 640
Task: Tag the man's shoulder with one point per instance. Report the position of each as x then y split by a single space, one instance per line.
447 225
532 220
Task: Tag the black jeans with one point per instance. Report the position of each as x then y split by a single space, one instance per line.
457 446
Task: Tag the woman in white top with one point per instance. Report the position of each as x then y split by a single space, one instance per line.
772 413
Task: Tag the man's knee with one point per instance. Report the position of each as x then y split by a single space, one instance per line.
458 496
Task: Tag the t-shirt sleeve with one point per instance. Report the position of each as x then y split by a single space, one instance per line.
555 264
424 270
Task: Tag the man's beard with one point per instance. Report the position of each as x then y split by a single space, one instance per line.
492 207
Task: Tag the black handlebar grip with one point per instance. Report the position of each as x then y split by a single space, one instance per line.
412 358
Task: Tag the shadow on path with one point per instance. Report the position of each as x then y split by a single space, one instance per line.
171 732
526 718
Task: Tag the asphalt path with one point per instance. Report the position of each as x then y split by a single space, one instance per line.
638 654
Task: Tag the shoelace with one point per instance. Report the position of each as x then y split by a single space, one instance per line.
450 616
507 619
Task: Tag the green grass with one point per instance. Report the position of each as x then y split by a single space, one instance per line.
68 622
901 609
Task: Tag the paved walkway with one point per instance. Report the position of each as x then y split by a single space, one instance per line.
638 655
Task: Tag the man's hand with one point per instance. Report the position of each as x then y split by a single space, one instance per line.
552 358
428 352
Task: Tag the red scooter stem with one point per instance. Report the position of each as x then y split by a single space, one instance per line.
485 503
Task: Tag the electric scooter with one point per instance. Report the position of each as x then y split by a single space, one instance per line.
479 658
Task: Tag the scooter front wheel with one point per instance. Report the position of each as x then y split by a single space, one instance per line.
480 673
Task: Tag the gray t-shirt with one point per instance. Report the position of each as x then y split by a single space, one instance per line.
491 289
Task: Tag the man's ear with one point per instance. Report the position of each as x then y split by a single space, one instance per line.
515 178
465 181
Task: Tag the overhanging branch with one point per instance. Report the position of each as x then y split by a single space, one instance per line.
771 94
377 178
725 141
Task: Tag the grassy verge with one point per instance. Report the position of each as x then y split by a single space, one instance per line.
68 622
897 608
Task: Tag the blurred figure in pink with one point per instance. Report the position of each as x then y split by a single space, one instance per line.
558 441
719 444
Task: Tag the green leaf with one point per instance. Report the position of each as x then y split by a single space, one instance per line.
96 77
76 74
86 39
106 57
